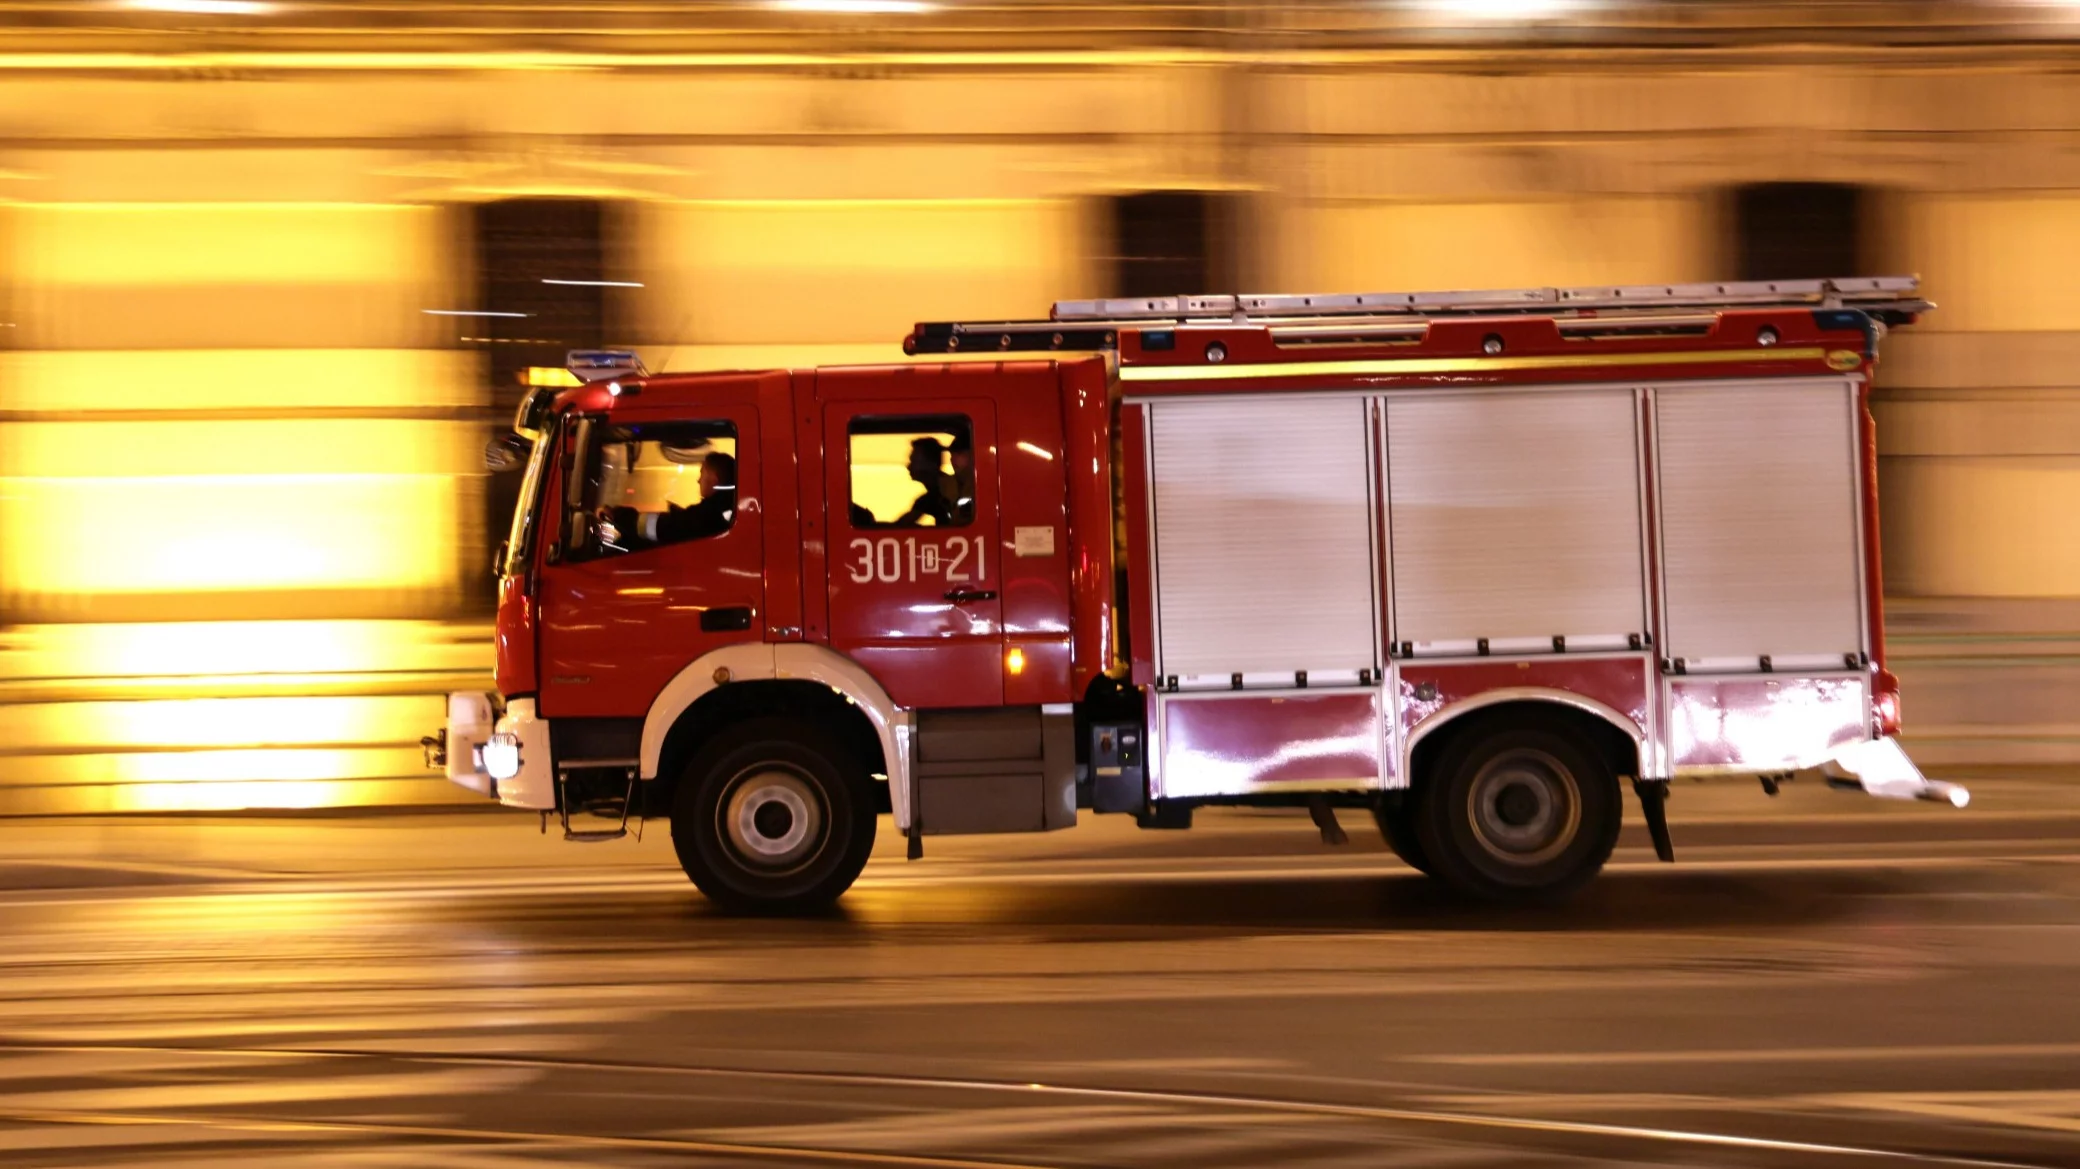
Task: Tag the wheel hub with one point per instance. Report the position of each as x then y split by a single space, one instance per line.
772 819
1526 807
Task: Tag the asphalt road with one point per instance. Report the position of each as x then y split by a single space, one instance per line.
1844 986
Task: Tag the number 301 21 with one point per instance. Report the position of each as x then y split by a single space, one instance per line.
891 559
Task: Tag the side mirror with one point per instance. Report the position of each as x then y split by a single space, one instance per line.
533 415
506 452
498 558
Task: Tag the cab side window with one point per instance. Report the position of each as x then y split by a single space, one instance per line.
912 471
648 484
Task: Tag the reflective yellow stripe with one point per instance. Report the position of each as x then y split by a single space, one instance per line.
1417 365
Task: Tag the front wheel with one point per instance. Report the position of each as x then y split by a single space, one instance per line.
773 817
1518 812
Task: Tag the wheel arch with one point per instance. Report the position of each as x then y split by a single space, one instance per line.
788 680
1617 738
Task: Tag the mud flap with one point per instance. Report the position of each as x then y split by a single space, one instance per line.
1653 805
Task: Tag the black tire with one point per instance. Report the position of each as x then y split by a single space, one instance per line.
1518 812
1398 826
772 816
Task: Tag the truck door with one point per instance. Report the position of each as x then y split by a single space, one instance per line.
915 546
660 555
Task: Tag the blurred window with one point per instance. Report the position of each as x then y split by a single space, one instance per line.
543 258
1170 243
1799 231
912 472
521 245
655 483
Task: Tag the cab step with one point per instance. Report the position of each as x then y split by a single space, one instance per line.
585 796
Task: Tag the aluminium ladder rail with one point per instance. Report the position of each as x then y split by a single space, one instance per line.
1088 324
1898 293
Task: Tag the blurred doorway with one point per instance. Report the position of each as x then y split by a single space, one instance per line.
1801 231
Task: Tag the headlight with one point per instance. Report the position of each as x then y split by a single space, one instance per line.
501 755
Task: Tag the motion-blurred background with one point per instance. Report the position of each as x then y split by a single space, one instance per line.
270 273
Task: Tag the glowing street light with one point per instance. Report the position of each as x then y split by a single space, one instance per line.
1504 10
854 7
205 7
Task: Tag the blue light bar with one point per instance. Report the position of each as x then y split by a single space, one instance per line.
598 365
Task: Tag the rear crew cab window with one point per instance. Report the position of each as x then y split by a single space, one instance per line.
648 484
911 471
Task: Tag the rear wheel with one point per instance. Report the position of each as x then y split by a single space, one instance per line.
1398 825
773 817
1518 812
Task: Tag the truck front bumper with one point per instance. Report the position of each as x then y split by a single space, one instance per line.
1881 768
506 758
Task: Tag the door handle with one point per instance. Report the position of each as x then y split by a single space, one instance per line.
737 617
963 596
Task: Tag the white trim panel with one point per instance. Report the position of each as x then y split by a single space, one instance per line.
894 725
1238 742
1444 716
1720 724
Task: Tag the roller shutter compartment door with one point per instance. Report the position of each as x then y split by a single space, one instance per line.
1516 519
1263 540
1759 536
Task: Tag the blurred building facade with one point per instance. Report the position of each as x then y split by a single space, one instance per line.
246 262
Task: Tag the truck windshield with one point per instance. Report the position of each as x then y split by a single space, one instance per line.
527 509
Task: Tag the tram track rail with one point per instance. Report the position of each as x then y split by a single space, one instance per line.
1404 1120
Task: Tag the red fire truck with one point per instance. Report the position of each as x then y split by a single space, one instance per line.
1470 561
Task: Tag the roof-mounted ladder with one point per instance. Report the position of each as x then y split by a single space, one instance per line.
1893 293
1089 324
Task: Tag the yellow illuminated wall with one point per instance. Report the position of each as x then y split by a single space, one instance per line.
1978 420
96 514
857 273
222 416
221 275
1995 262
1366 245
216 715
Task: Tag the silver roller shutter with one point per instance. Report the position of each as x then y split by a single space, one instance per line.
1759 536
1516 519
1263 539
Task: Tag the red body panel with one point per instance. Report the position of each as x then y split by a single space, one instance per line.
1622 683
1087 468
1141 543
1045 675
781 509
1534 351
1223 742
888 589
1033 502
1873 574
927 650
814 516
614 630
513 633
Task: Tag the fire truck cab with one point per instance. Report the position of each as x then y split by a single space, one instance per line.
1472 562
